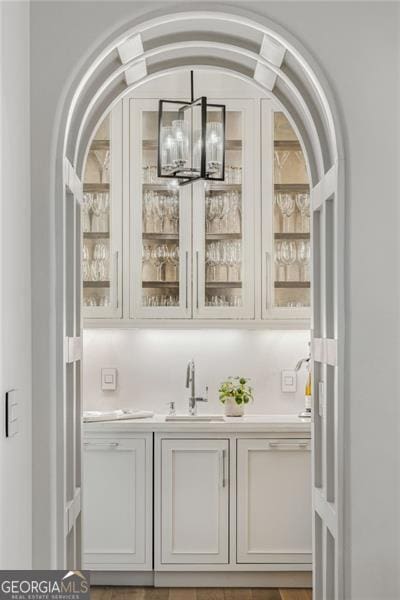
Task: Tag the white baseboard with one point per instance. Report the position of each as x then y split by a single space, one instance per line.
287 579
138 578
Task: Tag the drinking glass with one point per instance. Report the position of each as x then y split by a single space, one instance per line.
280 266
160 256
211 262
303 259
286 203
303 204
148 212
288 255
234 213
173 259
281 157
86 210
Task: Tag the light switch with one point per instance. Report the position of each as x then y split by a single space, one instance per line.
288 381
109 380
12 421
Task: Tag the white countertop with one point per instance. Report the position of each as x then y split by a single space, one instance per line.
250 423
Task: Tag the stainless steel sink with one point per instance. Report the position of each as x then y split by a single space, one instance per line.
195 418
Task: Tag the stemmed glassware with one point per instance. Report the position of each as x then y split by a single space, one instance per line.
303 258
86 210
286 203
173 259
285 255
225 254
281 157
303 204
160 213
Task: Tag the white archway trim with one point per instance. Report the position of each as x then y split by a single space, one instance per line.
240 18
154 76
212 46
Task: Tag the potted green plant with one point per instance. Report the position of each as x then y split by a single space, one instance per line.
234 393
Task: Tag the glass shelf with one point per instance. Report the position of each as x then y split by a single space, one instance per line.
223 284
292 284
96 284
160 284
292 187
96 235
292 236
291 145
96 187
161 236
99 145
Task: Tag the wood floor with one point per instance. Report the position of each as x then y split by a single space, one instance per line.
137 593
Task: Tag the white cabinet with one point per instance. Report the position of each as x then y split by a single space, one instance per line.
223 223
101 219
273 501
118 503
160 226
194 502
192 247
234 249
285 231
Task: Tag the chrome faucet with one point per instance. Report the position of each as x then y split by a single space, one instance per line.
190 382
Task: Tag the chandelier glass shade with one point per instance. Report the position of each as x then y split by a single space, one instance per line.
191 140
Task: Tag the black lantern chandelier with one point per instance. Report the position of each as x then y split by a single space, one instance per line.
191 139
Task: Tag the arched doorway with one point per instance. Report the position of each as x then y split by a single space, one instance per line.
263 54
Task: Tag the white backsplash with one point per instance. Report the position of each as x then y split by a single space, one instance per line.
152 367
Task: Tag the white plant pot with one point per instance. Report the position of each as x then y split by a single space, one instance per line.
232 409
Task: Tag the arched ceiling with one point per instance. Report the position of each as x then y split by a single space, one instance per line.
230 41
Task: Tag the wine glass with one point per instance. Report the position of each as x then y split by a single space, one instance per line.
234 213
303 258
85 263
280 266
86 207
211 260
288 255
286 203
281 157
303 204
173 258
148 212
160 257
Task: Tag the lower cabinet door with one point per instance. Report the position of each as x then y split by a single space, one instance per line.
117 503
194 501
274 501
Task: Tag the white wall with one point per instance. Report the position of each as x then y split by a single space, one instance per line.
15 309
152 367
357 46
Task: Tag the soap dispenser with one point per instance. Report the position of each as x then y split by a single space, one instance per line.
306 414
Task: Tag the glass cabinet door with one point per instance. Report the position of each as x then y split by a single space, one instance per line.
287 246
101 221
160 222
223 225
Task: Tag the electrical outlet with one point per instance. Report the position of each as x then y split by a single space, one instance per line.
288 381
109 380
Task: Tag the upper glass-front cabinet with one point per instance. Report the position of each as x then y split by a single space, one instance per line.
223 225
192 246
101 221
210 250
160 222
286 222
